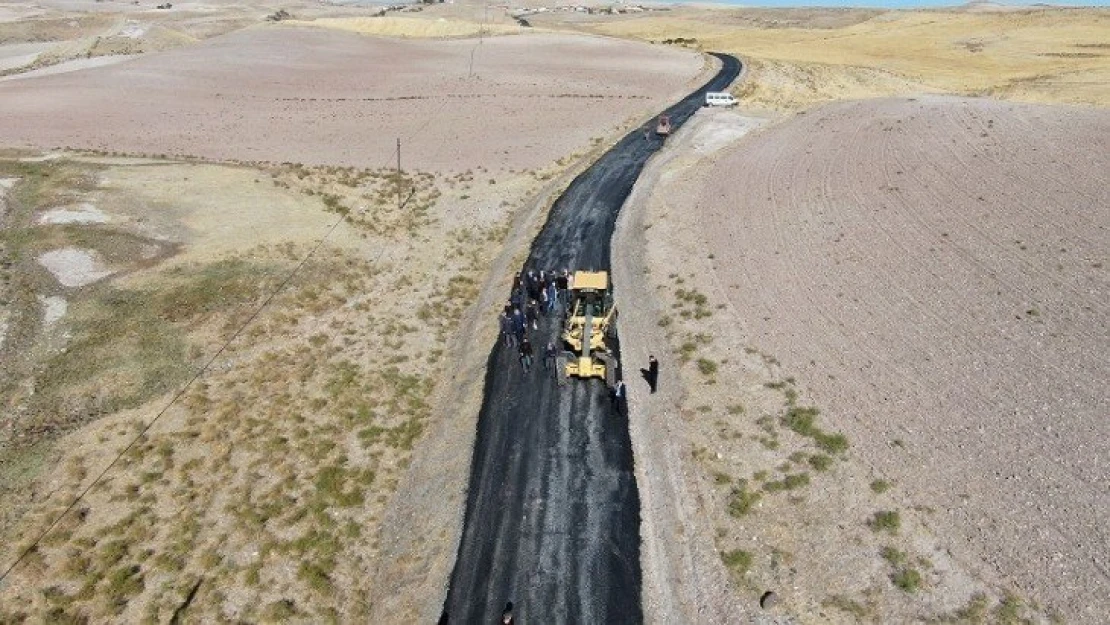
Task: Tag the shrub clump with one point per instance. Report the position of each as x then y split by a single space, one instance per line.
885 521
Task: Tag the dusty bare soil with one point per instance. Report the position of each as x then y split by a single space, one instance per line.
926 278
312 95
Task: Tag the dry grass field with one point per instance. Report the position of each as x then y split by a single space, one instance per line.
799 57
267 481
414 27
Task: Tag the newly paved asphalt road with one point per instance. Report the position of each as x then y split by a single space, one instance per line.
553 514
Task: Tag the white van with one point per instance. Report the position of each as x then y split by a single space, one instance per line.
720 98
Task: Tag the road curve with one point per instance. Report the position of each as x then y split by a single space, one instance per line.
553 514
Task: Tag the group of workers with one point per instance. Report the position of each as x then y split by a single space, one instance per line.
541 293
534 294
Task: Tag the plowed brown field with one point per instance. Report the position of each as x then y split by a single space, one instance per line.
931 274
317 96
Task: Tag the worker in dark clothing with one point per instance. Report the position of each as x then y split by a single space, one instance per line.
561 283
651 374
551 297
532 314
506 328
526 354
549 355
618 395
533 286
518 325
507 614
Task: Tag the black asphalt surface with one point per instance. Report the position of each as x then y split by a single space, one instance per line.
553 515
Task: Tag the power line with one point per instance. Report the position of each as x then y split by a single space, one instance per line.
469 75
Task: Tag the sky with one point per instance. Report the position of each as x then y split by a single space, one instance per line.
891 4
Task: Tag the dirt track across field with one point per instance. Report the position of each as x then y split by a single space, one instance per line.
553 513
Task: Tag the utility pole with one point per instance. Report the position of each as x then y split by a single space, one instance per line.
398 173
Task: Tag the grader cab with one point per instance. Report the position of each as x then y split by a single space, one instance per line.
590 330
663 128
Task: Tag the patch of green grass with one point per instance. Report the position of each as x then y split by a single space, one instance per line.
735 409
720 477
974 612
337 486
1009 610
893 556
908 579
738 561
316 576
128 345
253 575
400 437
111 552
707 366
880 486
123 584
197 291
789 482
831 443
121 355
820 462
687 350
803 421
885 521
742 501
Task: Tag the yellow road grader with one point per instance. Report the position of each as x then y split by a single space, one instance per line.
590 330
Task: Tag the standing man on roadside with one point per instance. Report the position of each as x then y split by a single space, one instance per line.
651 374
618 395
